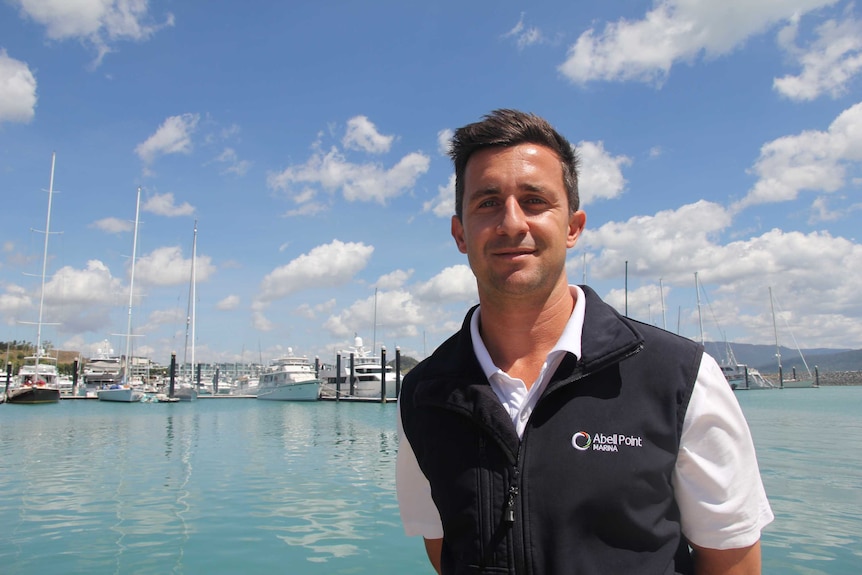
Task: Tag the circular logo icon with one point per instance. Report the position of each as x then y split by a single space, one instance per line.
581 441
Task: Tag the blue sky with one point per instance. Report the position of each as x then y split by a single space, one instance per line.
308 142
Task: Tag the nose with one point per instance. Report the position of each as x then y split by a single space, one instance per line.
514 221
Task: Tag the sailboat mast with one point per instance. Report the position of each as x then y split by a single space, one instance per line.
661 295
45 264
128 366
193 292
775 329
699 314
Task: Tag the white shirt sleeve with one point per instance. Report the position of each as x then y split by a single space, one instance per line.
716 480
418 512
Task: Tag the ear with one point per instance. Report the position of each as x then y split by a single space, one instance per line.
577 221
458 234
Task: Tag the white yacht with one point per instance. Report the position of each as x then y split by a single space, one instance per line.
741 377
123 391
120 393
245 385
289 378
102 370
367 374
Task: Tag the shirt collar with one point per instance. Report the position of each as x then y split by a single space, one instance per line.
570 339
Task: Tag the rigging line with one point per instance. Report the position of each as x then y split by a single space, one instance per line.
714 316
792 336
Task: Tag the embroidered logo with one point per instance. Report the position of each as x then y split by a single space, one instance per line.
583 441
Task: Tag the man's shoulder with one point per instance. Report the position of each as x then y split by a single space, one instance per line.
442 360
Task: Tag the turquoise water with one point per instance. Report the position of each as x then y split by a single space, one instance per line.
245 486
809 448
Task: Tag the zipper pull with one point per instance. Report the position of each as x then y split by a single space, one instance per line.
509 516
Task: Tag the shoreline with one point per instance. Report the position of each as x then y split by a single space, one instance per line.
833 378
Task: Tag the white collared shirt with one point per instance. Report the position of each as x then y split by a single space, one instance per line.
512 392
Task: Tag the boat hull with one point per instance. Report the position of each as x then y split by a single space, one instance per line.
185 394
294 391
120 395
798 383
33 395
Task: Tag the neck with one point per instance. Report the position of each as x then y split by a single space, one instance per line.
520 334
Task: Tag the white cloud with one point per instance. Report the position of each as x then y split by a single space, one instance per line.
93 284
327 265
17 90
163 205
443 205
357 182
676 238
14 302
393 280
233 165
99 22
396 314
166 266
811 160
81 300
672 31
601 175
174 136
453 284
113 225
674 244
171 316
828 64
228 303
444 141
524 35
362 135
822 212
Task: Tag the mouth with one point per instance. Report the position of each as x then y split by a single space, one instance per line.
512 253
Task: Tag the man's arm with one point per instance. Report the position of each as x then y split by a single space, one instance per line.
742 561
434 548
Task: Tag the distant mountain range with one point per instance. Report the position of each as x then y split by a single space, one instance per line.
762 357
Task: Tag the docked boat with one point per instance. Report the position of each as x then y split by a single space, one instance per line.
103 370
188 388
367 374
741 377
795 381
289 378
245 385
37 383
185 391
123 391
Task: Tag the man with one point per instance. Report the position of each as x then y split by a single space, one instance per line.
550 434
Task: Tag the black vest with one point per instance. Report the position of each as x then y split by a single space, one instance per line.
588 488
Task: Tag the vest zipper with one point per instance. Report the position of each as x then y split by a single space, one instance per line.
514 502
509 515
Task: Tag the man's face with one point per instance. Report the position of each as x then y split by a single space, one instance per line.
516 226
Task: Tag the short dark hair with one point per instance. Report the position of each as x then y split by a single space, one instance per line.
505 128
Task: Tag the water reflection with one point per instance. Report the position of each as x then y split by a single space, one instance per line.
212 486
808 455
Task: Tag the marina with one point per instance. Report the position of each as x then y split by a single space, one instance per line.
309 487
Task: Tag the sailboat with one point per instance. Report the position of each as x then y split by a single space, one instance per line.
124 392
739 376
38 381
794 381
186 390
